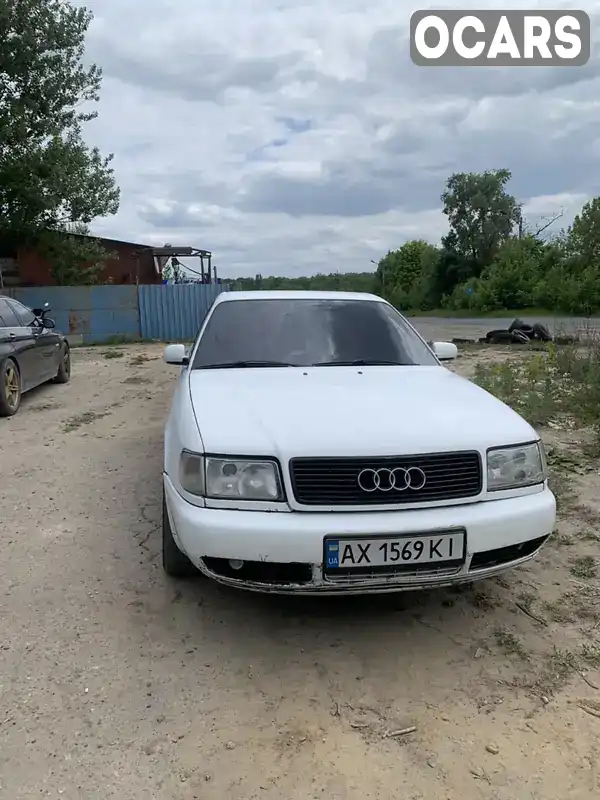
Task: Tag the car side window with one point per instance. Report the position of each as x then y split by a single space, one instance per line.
3 305
24 314
10 319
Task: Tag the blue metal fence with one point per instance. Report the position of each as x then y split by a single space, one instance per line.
96 314
174 313
88 314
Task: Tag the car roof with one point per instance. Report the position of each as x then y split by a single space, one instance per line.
227 297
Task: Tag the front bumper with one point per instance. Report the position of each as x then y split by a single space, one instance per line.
501 534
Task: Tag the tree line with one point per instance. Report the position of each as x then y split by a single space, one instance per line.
491 258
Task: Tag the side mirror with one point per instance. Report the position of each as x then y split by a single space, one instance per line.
445 351
176 354
48 323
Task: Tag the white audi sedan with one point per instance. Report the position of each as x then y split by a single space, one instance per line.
317 444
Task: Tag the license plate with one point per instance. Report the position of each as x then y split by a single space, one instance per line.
444 548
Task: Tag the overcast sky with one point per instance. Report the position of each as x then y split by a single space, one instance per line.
295 136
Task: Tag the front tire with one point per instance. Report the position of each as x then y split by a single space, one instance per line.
175 563
64 369
10 388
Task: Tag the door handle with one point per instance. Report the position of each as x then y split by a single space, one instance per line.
12 336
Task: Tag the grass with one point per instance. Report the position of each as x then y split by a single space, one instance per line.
590 655
482 600
572 607
527 600
560 665
560 387
557 669
120 340
113 354
512 646
584 567
136 379
561 539
589 515
139 359
79 420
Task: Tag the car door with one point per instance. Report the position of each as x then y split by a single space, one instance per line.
22 341
47 342
7 347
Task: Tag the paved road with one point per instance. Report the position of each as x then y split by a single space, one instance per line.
442 328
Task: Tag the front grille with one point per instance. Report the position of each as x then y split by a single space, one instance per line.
334 481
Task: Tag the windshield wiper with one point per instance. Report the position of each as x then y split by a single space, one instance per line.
359 362
245 364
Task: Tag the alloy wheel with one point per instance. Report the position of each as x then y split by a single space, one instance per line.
12 387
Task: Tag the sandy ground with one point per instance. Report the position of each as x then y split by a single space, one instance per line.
116 682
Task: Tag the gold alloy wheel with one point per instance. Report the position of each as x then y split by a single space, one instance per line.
12 386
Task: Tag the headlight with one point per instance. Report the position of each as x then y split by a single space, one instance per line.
516 467
247 480
230 478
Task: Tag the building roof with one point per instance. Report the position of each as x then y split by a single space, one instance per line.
108 239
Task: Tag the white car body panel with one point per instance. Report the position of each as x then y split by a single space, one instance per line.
290 412
359 410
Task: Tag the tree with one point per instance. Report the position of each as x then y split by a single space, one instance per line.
405 276
583 238
343 281
481 215
75 257
48 175
510 280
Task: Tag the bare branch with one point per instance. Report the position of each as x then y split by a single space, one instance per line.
548 221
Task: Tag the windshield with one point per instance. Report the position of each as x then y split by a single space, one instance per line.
300 333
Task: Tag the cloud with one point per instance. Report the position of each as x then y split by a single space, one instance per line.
293 137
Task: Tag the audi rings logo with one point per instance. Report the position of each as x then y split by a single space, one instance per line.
399 479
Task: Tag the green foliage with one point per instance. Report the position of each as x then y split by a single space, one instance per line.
490 260
509 281
488 266
48 175
74 256
481 215
407 276
335 281
583 242
560 385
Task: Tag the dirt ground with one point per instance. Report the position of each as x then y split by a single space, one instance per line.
116 682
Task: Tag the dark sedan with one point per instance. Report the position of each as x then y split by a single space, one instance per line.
31 353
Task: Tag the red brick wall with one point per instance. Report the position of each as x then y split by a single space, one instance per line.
123 269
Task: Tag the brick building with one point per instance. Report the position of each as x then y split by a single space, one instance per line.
132 263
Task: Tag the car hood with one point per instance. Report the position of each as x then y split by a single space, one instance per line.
348 411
